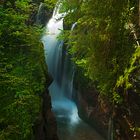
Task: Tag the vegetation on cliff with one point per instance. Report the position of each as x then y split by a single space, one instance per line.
22 70
104 45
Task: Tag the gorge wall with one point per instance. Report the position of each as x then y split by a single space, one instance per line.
114 122
91 107
45 127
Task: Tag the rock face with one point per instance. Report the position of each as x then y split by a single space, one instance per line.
43 15
114 122
91 110
91 107
40 13
45 127
127 118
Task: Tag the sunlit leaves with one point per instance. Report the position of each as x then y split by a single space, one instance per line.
117 98
50 3
126 80
101 44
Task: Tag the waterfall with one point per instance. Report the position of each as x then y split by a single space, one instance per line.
39 13
60 67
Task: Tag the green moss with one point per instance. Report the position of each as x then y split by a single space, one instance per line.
22 74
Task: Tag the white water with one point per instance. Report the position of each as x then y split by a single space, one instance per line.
62 85
70 126
38 16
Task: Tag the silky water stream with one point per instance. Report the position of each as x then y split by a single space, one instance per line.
70 126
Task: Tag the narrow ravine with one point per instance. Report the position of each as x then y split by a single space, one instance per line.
70 126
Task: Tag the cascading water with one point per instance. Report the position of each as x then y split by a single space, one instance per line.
62 85
61 68
38 16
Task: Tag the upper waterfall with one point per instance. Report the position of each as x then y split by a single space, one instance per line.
55 24
50 41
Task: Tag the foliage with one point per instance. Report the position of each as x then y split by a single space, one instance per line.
130 79
22 72
50 3
105 47
101 44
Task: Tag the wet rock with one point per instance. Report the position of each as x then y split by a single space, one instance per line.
40 13
45 127
91 110
97 111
